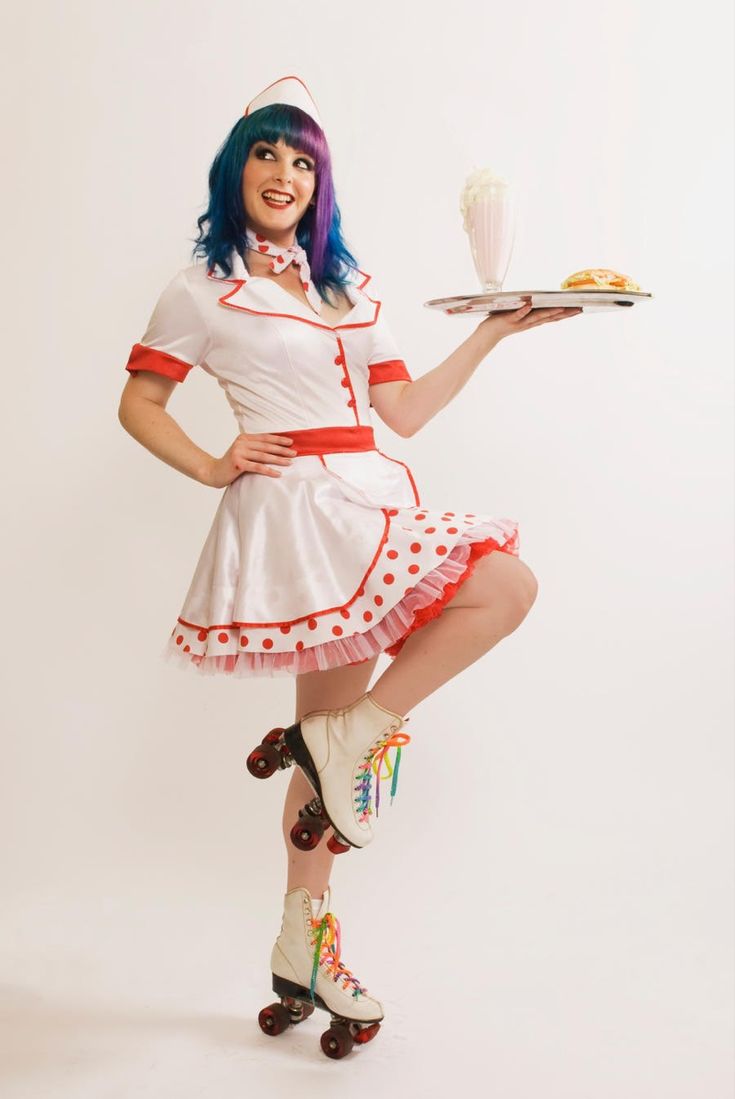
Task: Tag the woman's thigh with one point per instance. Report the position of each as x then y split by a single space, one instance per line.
333 688
498 577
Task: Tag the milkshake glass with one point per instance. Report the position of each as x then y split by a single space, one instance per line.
488 208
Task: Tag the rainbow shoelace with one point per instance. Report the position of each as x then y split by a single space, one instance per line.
372 764
327 945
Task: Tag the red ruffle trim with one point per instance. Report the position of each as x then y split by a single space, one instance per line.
433 610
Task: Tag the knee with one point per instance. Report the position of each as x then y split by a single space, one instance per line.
527 587
517 583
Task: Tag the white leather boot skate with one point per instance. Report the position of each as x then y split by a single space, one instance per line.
339 751
307 972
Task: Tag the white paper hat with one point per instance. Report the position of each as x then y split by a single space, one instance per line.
289 89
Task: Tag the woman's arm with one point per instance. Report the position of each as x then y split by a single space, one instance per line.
142 413
418 401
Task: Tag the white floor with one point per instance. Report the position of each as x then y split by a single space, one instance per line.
145 989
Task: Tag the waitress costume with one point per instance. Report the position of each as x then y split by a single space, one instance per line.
337 559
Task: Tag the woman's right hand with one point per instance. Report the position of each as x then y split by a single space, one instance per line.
251 454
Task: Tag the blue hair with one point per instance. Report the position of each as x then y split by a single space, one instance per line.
319 230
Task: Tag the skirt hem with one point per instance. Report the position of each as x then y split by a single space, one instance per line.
420 605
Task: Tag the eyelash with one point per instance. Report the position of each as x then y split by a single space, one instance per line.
261 152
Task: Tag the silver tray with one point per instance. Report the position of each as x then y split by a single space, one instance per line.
591 301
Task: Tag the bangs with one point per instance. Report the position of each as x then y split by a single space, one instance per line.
296 127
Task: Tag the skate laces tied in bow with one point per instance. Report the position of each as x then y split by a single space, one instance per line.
327 944
281 258
372 763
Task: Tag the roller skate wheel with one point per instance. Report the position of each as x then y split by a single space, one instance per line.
306 834
263 761
274 1019
337 1041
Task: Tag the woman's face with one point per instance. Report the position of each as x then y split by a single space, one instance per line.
273 172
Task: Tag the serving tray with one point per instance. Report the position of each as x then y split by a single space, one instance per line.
591 301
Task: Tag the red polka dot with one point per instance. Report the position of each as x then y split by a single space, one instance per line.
392 554
244 641
262 247
368 616
420 515
305 285
311 623
258 237
430 530
378 600
345 613
452 530
299 646
285 629
336 630
413 568
187 648
388 578
415 547
223 637
280 259
450 514
179 639
202 635
273 266
441 549
267 643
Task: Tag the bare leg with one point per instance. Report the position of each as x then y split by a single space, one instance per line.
328 690
488 606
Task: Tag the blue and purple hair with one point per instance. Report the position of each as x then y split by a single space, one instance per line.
318 231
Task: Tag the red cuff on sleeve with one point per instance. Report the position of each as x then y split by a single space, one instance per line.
394 370
159 362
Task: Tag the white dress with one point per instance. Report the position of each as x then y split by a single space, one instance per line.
336 560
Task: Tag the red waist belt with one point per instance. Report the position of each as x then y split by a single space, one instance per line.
326 440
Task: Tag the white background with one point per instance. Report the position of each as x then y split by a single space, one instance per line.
546 911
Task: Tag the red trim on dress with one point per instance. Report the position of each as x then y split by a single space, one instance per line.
392 370
158 362
427 614
408 471
328 440
239 283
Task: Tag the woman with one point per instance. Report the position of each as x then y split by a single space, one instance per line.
320 555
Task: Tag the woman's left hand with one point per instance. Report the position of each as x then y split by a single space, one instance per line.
520 320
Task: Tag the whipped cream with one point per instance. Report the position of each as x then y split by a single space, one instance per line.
479 186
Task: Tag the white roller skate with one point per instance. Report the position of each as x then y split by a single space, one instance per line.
308 972
339 751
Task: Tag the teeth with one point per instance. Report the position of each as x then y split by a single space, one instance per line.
276 198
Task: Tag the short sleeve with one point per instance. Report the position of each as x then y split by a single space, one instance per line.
385 363
176 338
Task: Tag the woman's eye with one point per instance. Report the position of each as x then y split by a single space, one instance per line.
301 160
